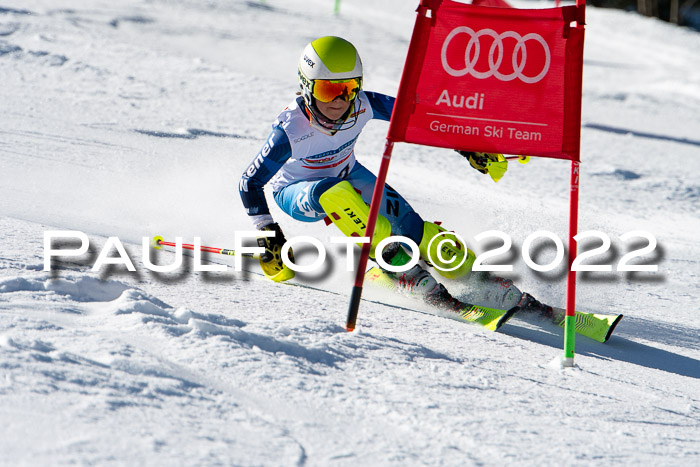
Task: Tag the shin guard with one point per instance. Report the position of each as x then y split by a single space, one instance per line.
347 210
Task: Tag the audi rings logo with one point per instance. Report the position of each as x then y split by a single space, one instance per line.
496 54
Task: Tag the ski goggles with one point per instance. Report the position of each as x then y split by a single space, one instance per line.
327 90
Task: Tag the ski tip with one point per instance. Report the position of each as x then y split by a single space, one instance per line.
156 242
349 328
612 327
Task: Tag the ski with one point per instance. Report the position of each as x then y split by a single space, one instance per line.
490 318
597 326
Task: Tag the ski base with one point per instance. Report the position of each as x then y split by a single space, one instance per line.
490 318
597 326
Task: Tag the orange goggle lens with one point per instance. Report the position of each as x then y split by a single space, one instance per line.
327 90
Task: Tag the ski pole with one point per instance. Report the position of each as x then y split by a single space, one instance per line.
158 242
521 159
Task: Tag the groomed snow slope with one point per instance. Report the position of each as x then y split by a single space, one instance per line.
136 118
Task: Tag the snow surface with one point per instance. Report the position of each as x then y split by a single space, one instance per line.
135 118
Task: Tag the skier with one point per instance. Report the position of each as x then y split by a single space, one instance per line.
309 162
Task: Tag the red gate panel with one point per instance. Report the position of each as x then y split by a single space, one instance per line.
493 80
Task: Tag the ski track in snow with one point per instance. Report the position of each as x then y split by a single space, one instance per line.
137 118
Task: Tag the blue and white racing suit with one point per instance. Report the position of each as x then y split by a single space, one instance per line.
300 163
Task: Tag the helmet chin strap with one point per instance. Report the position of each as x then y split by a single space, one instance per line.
320 121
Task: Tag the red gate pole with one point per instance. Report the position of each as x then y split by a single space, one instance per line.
397 129
570 319
356 294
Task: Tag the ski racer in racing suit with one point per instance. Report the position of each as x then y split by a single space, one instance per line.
308 160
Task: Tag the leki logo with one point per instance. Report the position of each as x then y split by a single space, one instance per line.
519 54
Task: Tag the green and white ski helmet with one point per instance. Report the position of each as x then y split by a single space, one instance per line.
328 57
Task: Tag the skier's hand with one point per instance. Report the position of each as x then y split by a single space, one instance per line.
271 260
493 164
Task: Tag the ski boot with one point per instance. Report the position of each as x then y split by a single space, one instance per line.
417 282
528 304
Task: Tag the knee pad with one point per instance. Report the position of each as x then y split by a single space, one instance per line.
347 210
444 251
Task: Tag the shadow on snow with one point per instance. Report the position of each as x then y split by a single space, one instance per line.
641 134
620 347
